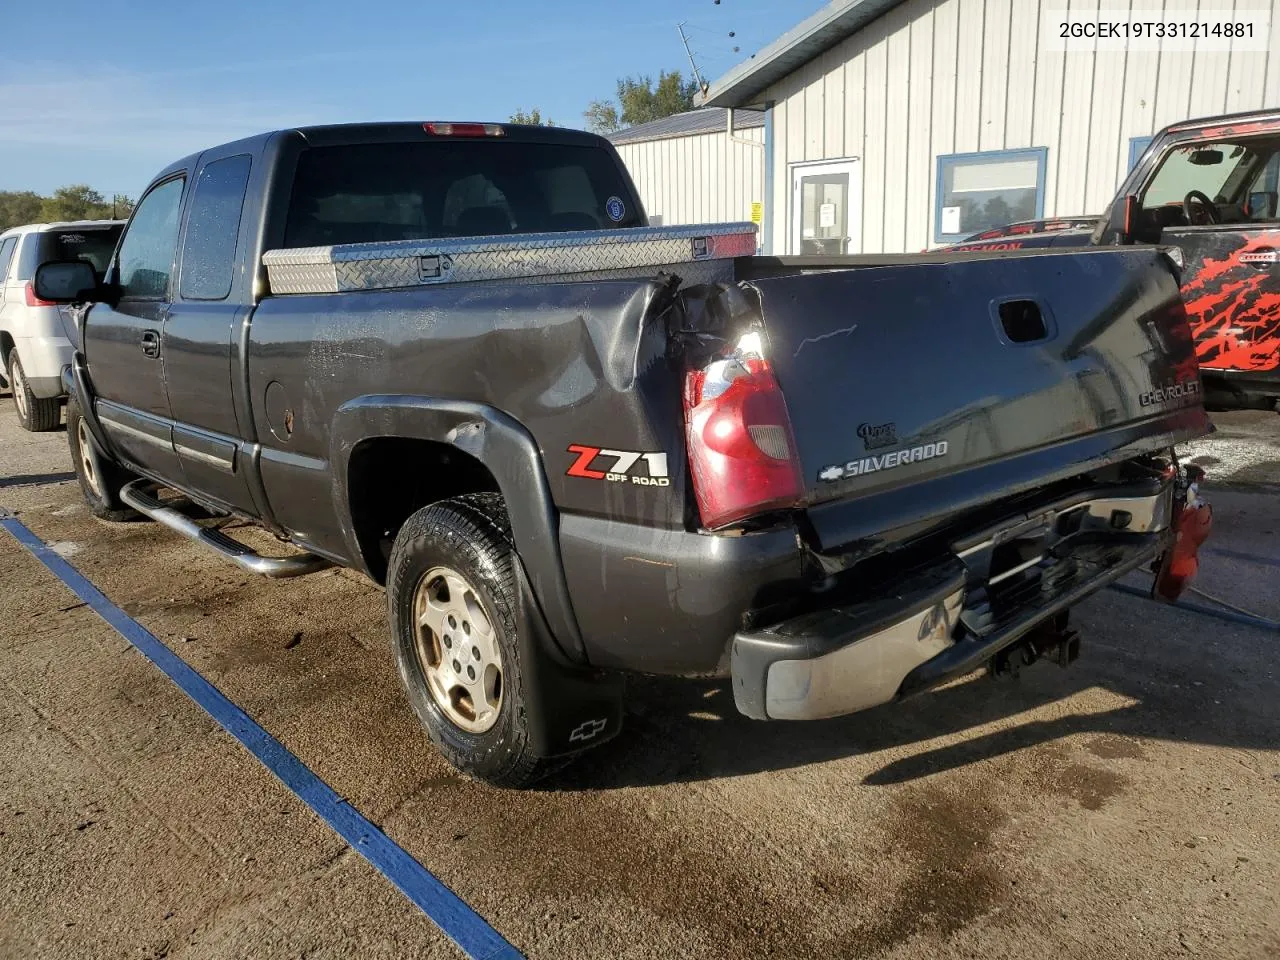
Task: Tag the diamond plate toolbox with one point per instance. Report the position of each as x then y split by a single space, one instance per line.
581 255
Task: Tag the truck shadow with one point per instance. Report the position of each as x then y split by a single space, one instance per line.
686 732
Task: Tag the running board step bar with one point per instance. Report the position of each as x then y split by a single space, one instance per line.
140 494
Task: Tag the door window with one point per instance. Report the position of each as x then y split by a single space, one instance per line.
146 253
209 250
824 214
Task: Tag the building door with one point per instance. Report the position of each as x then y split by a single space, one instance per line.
826 208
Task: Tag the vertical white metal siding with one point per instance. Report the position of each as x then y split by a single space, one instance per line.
935 77
703 178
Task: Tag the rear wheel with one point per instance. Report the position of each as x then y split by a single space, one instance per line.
100 478
451 588
36 414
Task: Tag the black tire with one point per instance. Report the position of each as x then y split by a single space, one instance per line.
102 491
471 536
35 414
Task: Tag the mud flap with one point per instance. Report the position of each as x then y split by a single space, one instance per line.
75 381
569 708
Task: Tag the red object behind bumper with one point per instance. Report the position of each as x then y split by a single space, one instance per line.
1181 562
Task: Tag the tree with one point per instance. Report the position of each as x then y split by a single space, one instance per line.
602 117
76 202
640 100
19 207
533 118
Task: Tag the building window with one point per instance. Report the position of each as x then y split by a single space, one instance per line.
1137 147
978 191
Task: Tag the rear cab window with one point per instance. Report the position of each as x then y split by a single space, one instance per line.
453 188
213 226
94 245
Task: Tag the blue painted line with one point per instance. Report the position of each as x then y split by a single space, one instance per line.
443 907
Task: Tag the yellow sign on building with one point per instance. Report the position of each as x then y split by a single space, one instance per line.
757 213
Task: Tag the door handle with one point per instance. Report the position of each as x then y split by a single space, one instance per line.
151 343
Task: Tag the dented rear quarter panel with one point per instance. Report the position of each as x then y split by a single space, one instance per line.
573 363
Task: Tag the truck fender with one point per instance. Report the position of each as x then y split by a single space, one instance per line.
507 450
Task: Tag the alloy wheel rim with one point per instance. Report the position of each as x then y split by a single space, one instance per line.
457 648
86 458
19 387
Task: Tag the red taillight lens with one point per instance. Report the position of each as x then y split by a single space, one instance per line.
439 129
741 451
33 300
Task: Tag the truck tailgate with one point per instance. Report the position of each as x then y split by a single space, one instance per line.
938 386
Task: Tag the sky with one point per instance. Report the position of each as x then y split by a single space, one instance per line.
151 81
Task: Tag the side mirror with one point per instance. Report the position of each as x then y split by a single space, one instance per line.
1262 205
1121 222
66 281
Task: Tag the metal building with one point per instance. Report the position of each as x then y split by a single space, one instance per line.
896 125
694 168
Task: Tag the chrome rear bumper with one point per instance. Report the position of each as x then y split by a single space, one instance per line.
997 585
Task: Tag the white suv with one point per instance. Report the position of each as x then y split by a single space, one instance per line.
33 342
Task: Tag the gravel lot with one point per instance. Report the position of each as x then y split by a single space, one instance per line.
1126 807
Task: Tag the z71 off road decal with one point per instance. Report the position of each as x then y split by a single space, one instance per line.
618 466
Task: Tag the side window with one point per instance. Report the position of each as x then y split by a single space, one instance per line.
28 256
209 250
146 252
6 256
1263 199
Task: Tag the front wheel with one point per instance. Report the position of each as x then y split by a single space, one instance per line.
100 478
35 414
452 593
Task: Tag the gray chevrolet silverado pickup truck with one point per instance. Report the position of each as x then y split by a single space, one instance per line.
571 446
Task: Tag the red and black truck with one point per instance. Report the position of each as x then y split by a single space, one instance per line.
1208 188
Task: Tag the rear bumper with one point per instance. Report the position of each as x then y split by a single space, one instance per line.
42 361
948 619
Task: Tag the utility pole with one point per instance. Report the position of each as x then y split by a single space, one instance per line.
702 84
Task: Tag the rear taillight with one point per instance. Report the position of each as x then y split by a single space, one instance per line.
741 450
33 300
440 129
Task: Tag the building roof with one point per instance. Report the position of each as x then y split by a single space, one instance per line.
707 120
742 85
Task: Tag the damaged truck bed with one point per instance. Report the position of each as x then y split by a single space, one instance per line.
572 446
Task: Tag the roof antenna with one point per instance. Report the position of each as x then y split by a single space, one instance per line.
702 84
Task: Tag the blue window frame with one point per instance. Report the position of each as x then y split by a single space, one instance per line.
1137 146
979 191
